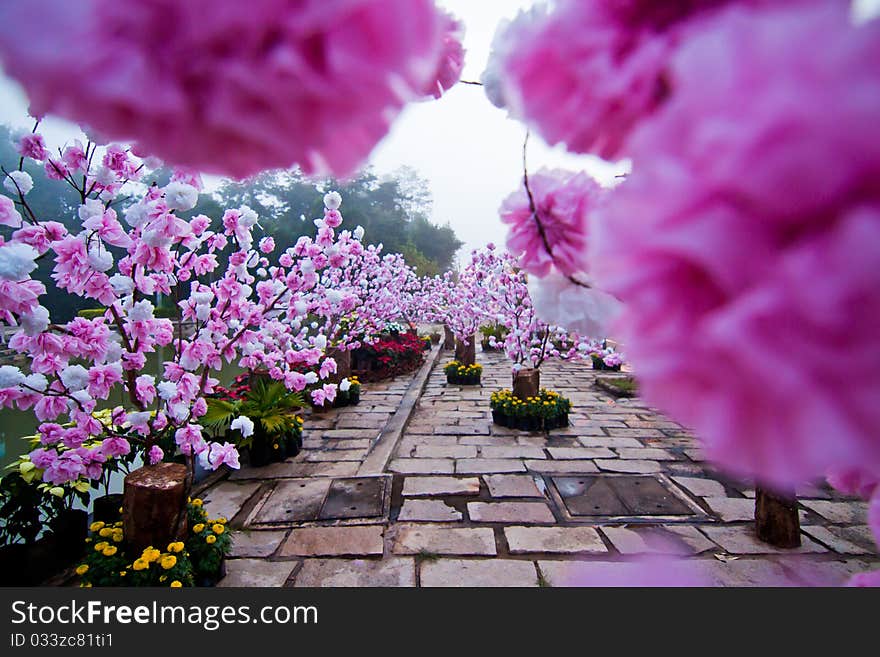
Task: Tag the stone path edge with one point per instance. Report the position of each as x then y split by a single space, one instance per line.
382 450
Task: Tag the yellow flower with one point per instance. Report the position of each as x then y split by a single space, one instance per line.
96 526
197 529
151 554
176 546
162 578
117 535
168 562
197 502
99 547
87 585
140 564
109 551
210 539
221 520
176 584
82 569
105 532
218 528
123 573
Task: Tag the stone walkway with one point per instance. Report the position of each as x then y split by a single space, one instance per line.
462 502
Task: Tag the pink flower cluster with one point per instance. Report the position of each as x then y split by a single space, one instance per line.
233 88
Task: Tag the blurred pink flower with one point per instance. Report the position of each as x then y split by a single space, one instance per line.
745 245
451 63
563 200
589 71
227 87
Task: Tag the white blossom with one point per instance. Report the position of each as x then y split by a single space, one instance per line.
74 377
180 196
244 424
17 260
21 179
332 200
35 322
10 376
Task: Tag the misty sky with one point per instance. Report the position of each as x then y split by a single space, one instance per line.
469 151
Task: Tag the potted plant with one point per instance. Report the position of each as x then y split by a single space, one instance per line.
354 392
272 413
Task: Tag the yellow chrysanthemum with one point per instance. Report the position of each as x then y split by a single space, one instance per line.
177 546
109 551
176 584
140 564
210 539
117 536
197 502
82 569
218 528
168 562
99 547
96 526
151 554
106 532
199 528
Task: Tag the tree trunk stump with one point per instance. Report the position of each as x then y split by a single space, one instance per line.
154 506
466 352
343 364
776 518
526 383
448 338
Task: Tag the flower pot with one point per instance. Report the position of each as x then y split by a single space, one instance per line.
496 416
15 566
522 423
107 508
598 363
261 452
551 422
563 420
70 528
354 398
292 444
211 579
534 423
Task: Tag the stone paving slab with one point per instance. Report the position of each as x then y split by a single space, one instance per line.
741 539
488 573
512 486
513 512
554 540
226 498
428 511
488 466
256 543
256 573
444 540
428 486
391 572
334 541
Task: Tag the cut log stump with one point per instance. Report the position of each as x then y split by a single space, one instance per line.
776 518
154 506
526 383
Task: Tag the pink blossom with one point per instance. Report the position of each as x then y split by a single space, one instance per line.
32 146
318 397
155 454
102 378
267 244
227 85
562 203
590 71
451 63
747 238
189 439
115 446
218 455
9 216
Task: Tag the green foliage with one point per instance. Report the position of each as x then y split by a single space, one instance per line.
91 313
24 509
